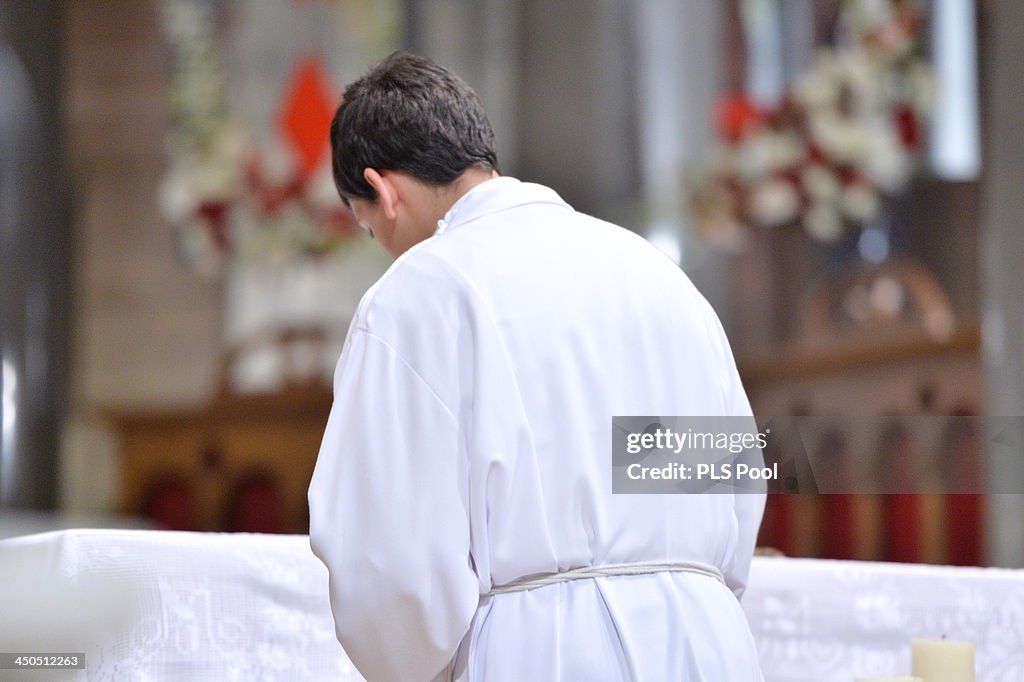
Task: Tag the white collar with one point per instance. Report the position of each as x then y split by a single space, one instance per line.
490 196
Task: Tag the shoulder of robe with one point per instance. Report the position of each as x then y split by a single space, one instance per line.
418 294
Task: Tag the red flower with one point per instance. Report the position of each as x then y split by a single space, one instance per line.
215 214
737 115
909 127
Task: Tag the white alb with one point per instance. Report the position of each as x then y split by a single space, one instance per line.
469 446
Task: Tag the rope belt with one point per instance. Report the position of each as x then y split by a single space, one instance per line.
603 571
607 570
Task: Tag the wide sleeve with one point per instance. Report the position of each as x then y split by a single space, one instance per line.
388 517
748 507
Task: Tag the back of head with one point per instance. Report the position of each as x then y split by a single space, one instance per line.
411 115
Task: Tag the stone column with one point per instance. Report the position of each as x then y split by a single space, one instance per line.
680 74
1002 243
578 102
479 40
35 255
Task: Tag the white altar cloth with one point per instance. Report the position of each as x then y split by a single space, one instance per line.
832 621
163 605
160 605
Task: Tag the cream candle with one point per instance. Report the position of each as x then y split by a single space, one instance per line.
942 660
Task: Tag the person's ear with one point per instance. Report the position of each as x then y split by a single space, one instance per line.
387 193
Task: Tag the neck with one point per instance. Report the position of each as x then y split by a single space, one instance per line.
423 206
447 196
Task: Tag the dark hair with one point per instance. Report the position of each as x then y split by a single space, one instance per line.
409 114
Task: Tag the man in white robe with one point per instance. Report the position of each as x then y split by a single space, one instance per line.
469 445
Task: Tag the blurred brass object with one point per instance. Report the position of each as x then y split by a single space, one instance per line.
899 295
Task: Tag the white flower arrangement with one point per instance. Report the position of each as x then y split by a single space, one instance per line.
230 197
846 135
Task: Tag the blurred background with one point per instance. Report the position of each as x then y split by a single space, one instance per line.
841 178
